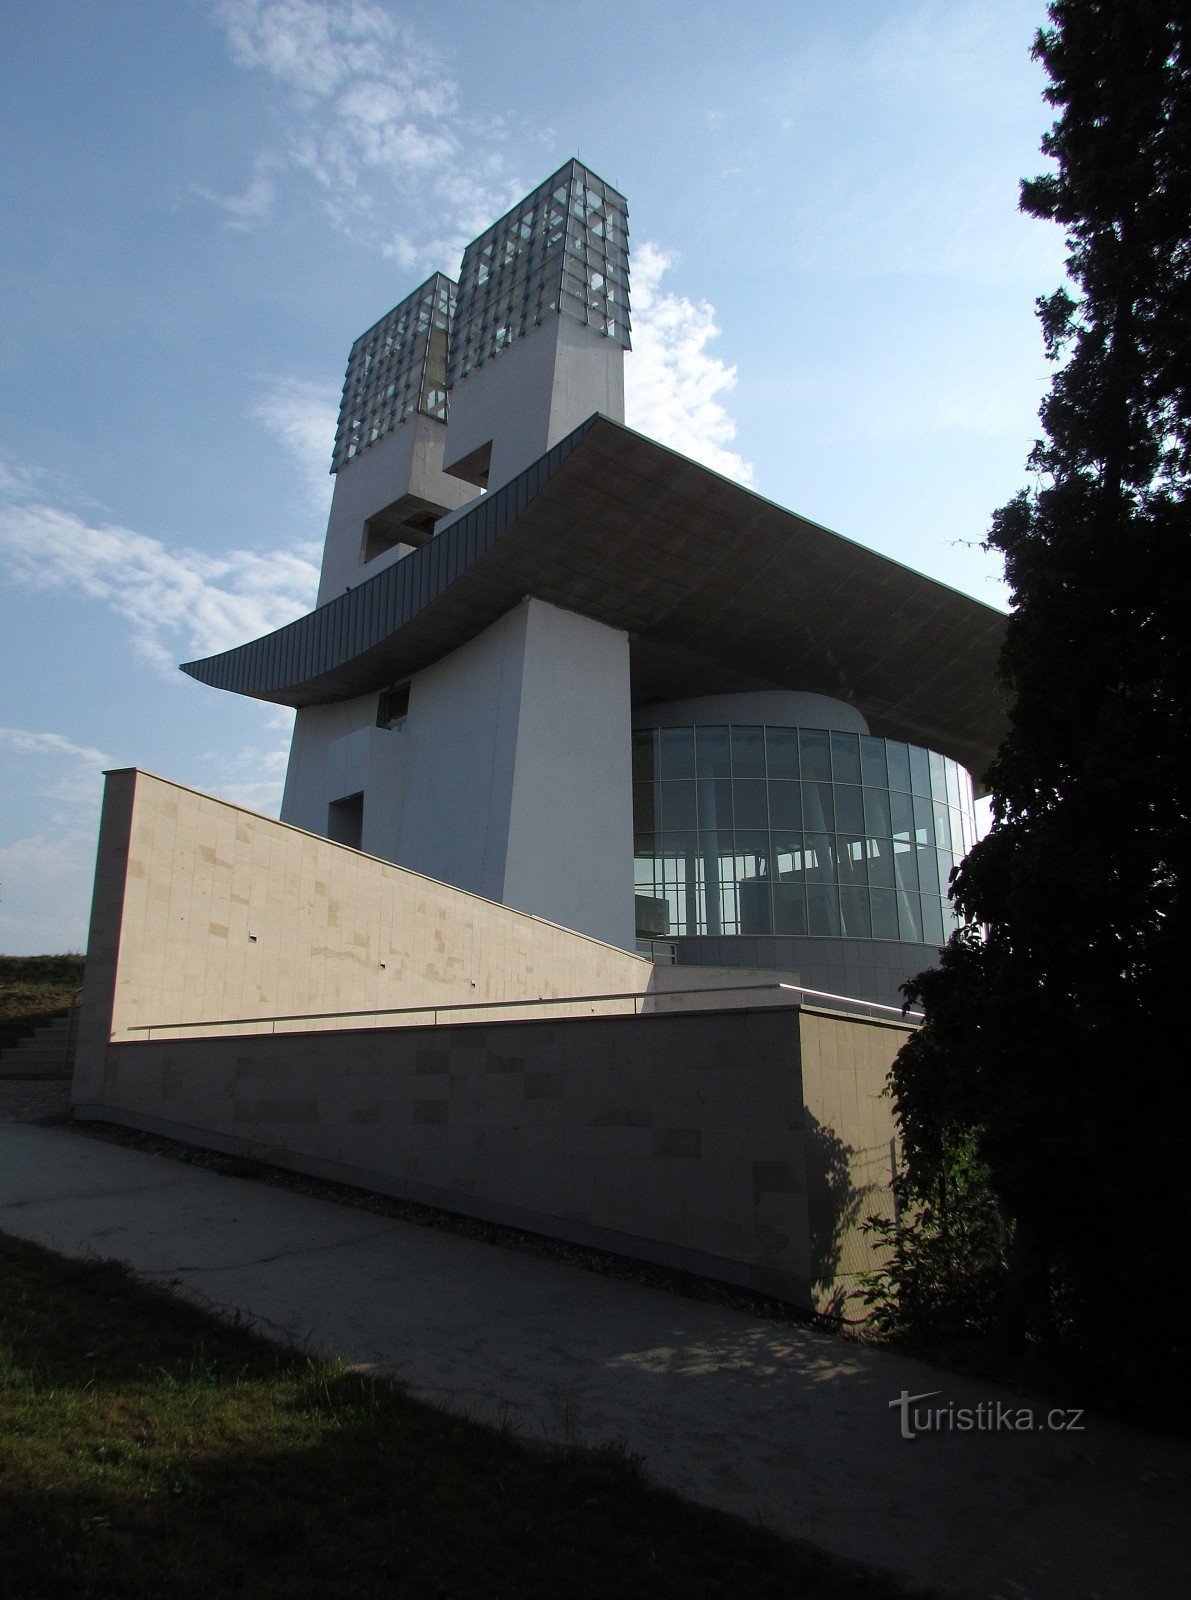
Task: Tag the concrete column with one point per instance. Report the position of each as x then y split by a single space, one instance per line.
518 780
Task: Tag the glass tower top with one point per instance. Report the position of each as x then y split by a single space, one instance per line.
397 368
564 249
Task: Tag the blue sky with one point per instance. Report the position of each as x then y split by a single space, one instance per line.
204 204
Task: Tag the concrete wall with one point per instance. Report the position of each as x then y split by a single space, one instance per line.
511 776
849 1136
205 911
338 750
533 393
406 460
783 708
745 1145
874 969
517 772
714 1131
570 829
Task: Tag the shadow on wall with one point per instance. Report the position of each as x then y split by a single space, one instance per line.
837 1206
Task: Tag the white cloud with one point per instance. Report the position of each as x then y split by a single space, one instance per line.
673 385
45 873
370 112
256 201
255 775
45 889
309 45
72 775
175 601
303 416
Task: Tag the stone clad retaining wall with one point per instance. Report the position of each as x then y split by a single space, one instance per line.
745 1145
741 1138
203 913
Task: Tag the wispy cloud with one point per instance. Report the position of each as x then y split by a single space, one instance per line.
45 873
673 384
254 775
174 601
72 769
302 416
371 113
312 46
370 110
242 211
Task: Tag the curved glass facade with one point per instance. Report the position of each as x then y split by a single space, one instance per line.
800 831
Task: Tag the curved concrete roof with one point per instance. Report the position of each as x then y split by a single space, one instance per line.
718 589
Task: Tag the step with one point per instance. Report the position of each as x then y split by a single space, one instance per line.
42 1054
15 1065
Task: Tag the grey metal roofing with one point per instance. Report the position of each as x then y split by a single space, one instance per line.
718 589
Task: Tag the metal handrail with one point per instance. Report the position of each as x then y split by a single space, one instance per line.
637 996
903 1012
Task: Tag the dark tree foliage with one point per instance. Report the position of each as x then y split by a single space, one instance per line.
1057 1022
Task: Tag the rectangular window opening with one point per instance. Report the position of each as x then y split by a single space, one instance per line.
345 820
392 706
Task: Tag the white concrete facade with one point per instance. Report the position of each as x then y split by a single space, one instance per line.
510 411
510 773
405 464
786 708
505 766
509 777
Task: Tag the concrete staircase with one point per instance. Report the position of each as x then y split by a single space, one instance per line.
46 1054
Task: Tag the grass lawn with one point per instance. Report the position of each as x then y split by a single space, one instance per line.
32 990
148 1449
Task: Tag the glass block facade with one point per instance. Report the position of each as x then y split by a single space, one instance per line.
798 831
397 368
564 248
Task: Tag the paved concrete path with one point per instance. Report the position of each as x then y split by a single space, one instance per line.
775 1422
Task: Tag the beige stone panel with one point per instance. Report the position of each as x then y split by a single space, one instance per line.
223 914
97 1017
685 1132
488 1119
849 1129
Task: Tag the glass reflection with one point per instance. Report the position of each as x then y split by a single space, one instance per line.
745 831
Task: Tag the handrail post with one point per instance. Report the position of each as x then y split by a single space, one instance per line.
71 1013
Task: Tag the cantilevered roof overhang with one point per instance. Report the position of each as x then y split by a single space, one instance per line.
718 590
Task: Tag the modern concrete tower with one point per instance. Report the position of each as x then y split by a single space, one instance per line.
474 770
545 289
560 666
390 488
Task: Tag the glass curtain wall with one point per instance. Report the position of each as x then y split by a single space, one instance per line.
771 831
